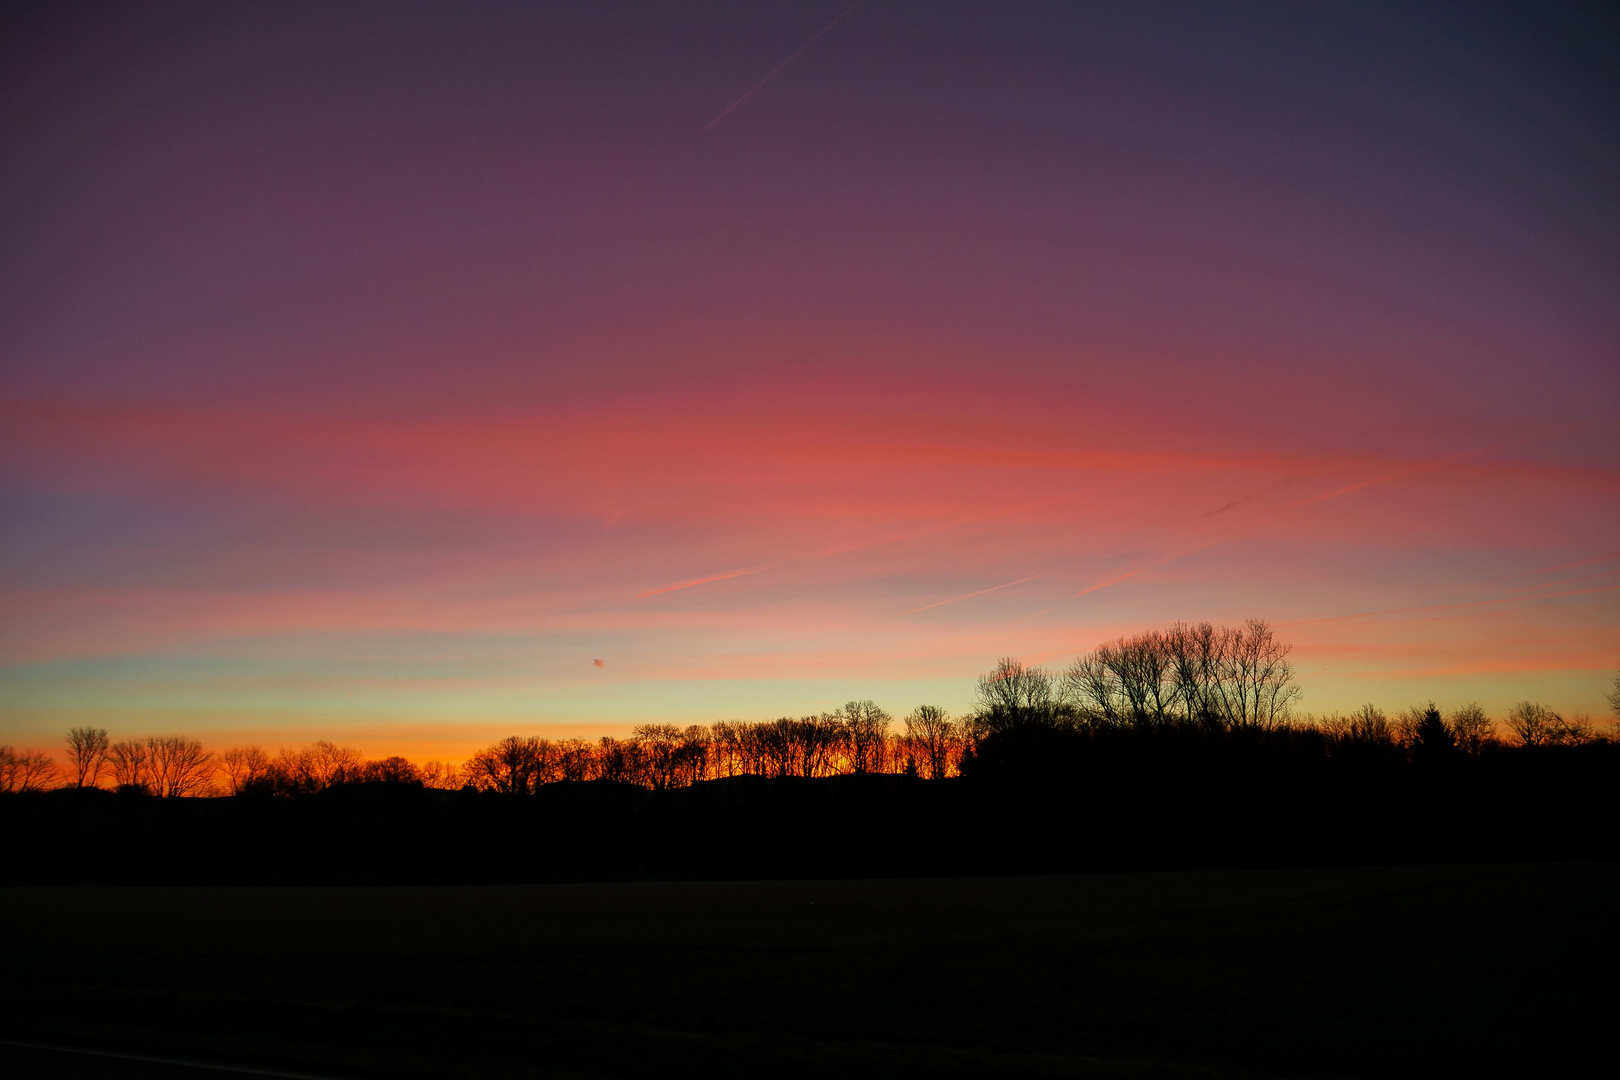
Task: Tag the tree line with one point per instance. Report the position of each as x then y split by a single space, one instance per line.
1187 679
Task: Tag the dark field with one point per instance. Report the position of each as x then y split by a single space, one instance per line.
1416 971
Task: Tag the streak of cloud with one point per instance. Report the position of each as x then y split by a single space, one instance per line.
858 545
1449 607
1566 581
1361 485
1143 569
1561 566
1410 470
779 67
1235 503
722 576
969 596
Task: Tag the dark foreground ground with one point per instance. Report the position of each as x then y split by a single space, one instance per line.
1500 970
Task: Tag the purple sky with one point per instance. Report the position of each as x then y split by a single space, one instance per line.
368 370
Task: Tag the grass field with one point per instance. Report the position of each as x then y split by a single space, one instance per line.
1414 971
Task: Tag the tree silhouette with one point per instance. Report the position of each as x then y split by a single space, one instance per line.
178 766
26 770
1432 741
1148 744
510 766
1533 725
129 761
661 746
932 741
693 757
390 770
575 760
1012 696
315 767
246 768
866 736
443 775
1471 729
1214 677
87 754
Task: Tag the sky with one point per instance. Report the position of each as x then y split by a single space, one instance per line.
410 375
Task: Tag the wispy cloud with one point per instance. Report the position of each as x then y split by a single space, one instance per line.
1450 607
1411 470
1143 569
722 576
780 67
857 545
1561 566
1362 485
971 595
1235 503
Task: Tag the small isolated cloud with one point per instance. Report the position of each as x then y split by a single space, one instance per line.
599 663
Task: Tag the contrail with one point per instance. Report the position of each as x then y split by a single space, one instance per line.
1144 569
970 595
712 577
1567 581
1362 484
1410 470
1245 498
778 69
1450 607
858 545
1560 566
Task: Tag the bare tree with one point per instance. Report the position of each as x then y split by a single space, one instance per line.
1537 725
1012 695
1533 725
1093 688
1366 727
693 757
1577 730
26 770
129 761
244 768
391 770
1213 677
1261 679
772 746
316 767
1137 673
575 760
1195 668
1472 729
441 774
178 766
87 754
660 744
1614 699
933 740
816 743
726 748
508 767
1407 723
622 761
332 764
866 736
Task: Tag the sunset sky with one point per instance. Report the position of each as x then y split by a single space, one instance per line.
415 374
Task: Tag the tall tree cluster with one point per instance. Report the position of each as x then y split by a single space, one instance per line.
1217 678
858 738
1196 678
